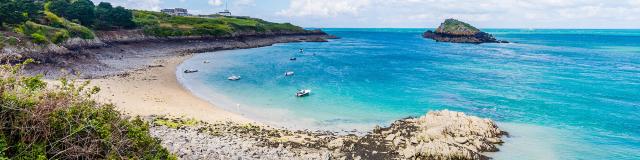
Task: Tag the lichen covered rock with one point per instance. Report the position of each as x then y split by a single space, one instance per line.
456 27
444 135
452 30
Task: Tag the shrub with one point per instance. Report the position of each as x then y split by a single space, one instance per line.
63 122
38 38
109 17
60 36
163 25
75 30
38 31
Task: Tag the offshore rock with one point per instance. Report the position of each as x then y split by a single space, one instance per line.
455 31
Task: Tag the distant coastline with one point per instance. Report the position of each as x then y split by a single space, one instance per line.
118 52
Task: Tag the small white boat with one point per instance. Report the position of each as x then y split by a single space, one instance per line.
301 50
190 71
234 78
288 73
206 62
303 93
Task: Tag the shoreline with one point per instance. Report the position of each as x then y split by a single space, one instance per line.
156 91
138 74
145 84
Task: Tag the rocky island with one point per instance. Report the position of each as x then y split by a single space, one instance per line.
456 31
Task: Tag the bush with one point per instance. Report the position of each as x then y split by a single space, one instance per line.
38 38
63 122
109 17
163 25
75 30
37 32
60 36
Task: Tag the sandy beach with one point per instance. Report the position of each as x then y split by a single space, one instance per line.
156 91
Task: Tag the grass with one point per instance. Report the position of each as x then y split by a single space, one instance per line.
164 25
42 33
453 26
38 121
175 123
76 30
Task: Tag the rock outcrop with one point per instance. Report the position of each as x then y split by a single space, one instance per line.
452 30
116 52
437 135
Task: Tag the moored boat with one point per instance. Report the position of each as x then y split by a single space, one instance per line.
303 93
289 73
190 71
234 78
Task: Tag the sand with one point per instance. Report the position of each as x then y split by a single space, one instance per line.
156 91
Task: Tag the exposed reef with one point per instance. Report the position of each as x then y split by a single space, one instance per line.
455 31
437 135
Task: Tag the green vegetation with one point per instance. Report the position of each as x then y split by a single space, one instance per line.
109 17
456 27
74 29
54 21
175 123
43 34
10 40
163 25
40 122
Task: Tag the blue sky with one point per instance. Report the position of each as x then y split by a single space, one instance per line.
419 13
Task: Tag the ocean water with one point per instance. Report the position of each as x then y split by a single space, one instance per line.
562 94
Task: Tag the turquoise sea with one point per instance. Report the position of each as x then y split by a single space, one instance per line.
562 94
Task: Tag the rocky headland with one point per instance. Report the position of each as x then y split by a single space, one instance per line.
455 31
436 135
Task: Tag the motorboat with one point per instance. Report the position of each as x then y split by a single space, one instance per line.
293 58
234 78
290 73
303 93
190 71
206 62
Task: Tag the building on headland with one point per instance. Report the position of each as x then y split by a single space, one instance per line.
226 12
176 12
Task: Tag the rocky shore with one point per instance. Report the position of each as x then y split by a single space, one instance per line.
452 30
118 52
436 135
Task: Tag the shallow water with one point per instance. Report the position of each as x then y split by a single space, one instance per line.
563 94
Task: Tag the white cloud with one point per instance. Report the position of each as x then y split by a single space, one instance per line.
245 2
323 8
484 13
215 2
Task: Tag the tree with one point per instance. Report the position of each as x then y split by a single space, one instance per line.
83 11
59 7
123 17
109 17
10 13
32 8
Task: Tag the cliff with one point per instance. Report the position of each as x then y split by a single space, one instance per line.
116 52
452 30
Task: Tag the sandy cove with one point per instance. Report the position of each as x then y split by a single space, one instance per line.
156 91
204 131
140 79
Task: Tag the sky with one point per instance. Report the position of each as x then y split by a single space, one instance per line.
623 14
